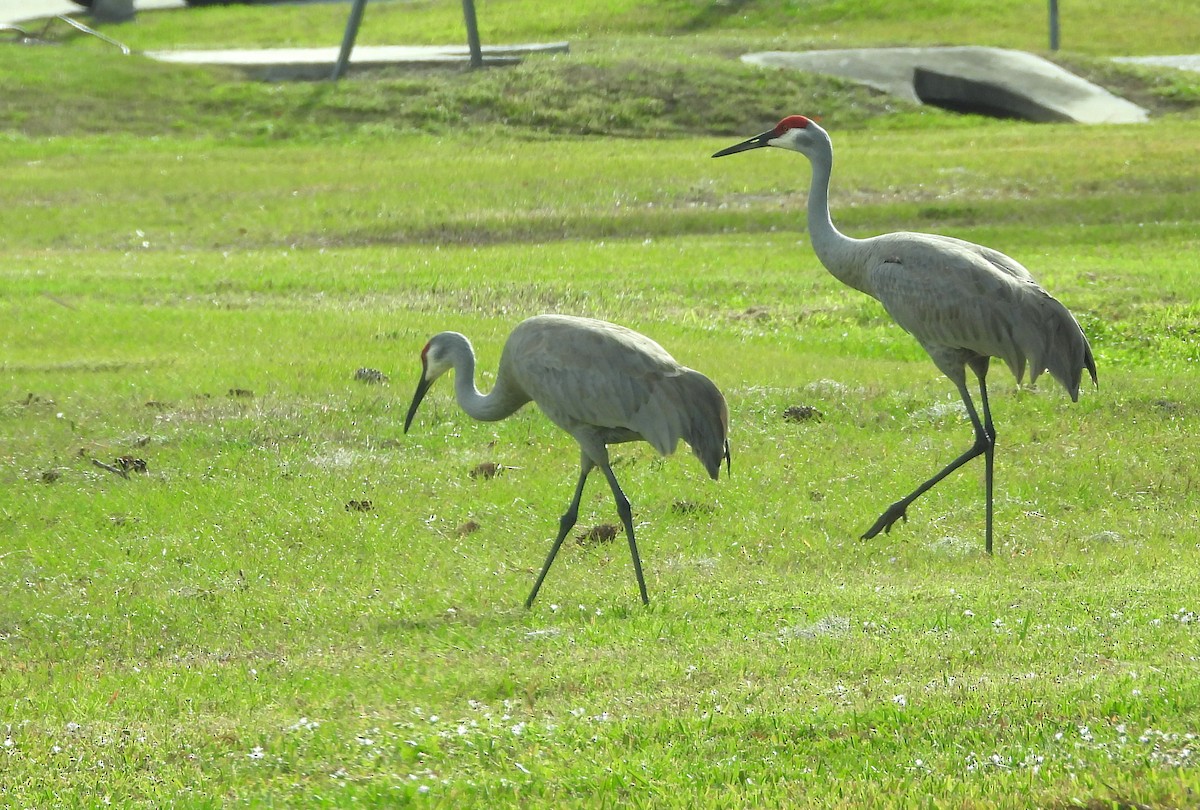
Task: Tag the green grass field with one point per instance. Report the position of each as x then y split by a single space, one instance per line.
298 604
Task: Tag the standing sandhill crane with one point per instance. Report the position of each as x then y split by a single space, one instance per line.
963 302
602 383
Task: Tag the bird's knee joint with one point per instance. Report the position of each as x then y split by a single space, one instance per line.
624 509
985 441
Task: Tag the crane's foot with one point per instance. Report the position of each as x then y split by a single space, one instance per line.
896 511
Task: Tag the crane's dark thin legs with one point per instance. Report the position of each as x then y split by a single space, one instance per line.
989 457
626 513
985 445
565 524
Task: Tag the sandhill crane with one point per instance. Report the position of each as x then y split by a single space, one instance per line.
963 302
600 382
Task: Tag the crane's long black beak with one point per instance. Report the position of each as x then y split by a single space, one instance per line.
756 142
422 387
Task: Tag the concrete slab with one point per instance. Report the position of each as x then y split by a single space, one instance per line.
1181 62
277 64
970 79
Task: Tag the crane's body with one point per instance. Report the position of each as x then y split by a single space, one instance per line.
962 301
965 303
603 384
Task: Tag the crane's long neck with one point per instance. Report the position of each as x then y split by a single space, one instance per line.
501 401
840 254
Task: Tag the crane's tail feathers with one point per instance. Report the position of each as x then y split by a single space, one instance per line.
1090 364
1070 357
706 427
1060 348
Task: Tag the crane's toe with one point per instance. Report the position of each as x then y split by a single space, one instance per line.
897 511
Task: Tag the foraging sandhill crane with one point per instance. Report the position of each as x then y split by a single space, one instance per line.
600 382
964 303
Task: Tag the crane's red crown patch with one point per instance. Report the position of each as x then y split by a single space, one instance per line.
791 122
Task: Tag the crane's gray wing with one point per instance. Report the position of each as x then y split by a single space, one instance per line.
958 301
1002 262
600 378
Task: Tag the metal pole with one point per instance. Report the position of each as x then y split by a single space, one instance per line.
1054 25
356 15
472 34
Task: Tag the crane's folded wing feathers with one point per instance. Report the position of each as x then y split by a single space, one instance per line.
587 374
955 296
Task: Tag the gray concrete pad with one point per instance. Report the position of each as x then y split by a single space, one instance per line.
275 64
1181 61
988 80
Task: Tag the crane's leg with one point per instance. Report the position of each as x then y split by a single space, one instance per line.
626 513
985 443
989 452
565 524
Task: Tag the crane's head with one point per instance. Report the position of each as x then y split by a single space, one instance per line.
795 132
436 360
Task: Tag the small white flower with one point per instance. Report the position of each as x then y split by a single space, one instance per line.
423 789
302 723
968 613
518 729
256 752
900 700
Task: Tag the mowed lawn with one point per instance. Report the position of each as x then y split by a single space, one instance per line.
228 577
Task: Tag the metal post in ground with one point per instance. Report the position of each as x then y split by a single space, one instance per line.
356 15
472 34
1054 25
